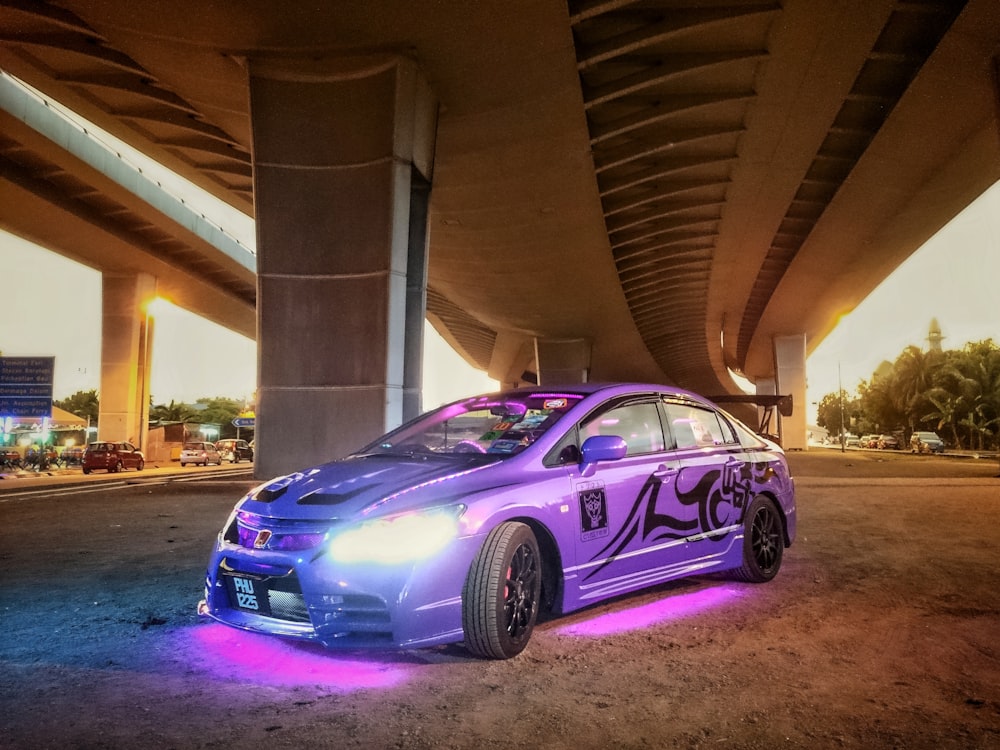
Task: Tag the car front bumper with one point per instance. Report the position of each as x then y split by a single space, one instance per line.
307 596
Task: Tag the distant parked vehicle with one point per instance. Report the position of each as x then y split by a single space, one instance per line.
887 442
234 451
201 453
112 457
926 442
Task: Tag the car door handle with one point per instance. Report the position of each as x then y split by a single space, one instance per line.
665 472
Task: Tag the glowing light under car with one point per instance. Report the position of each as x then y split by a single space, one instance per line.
396 539
654 613
230 654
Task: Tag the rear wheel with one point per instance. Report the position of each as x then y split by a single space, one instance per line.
502 592
763 542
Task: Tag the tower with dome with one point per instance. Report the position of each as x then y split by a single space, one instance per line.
934 337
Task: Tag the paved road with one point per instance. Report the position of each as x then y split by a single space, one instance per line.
58 476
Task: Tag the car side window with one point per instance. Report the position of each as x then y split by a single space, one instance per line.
638 424
697 427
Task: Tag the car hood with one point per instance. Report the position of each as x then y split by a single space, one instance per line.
367 486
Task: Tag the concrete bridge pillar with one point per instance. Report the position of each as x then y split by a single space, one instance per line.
343 152
790 377
126 353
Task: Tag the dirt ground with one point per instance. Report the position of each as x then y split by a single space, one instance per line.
882 630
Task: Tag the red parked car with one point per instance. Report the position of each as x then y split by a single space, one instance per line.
112 457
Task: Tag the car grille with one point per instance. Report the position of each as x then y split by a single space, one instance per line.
288 605
253 532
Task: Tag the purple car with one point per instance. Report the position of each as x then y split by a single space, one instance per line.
462 524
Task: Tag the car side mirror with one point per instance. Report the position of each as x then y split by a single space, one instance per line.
603 448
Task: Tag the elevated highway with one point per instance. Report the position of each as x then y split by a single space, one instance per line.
659 190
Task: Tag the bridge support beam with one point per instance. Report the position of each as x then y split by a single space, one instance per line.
343 150
126 352
790 376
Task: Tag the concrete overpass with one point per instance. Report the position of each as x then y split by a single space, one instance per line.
657 190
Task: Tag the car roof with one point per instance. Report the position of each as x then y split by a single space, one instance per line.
606 388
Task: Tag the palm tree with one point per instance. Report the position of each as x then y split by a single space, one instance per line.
171 412
911 379
979 363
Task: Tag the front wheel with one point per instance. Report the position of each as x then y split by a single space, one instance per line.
502 592
763 542
141 465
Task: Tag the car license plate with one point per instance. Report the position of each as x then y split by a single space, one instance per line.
248 594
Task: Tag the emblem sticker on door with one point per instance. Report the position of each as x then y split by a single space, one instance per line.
593 510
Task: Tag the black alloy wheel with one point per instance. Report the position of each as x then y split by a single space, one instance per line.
502 593
763 542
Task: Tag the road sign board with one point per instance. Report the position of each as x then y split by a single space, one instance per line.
26 386
244 422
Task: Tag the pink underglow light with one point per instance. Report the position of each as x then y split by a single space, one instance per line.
236 655
672 607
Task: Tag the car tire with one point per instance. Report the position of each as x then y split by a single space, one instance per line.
502 593
763 542
118 467
141 465
86 471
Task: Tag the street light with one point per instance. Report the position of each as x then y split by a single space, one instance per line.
840 392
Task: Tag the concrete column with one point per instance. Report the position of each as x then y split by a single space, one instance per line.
126 354
790 374
562 361
416 297
341 243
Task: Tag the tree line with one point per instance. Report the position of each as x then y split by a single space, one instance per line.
218 410
954 392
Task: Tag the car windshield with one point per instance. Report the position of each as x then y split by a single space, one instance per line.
194 446
498 425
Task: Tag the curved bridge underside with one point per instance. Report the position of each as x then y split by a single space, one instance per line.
675 183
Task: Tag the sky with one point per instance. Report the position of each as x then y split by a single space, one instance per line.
50 306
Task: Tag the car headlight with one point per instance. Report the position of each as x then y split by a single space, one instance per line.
396 539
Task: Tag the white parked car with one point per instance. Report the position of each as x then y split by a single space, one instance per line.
200 453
